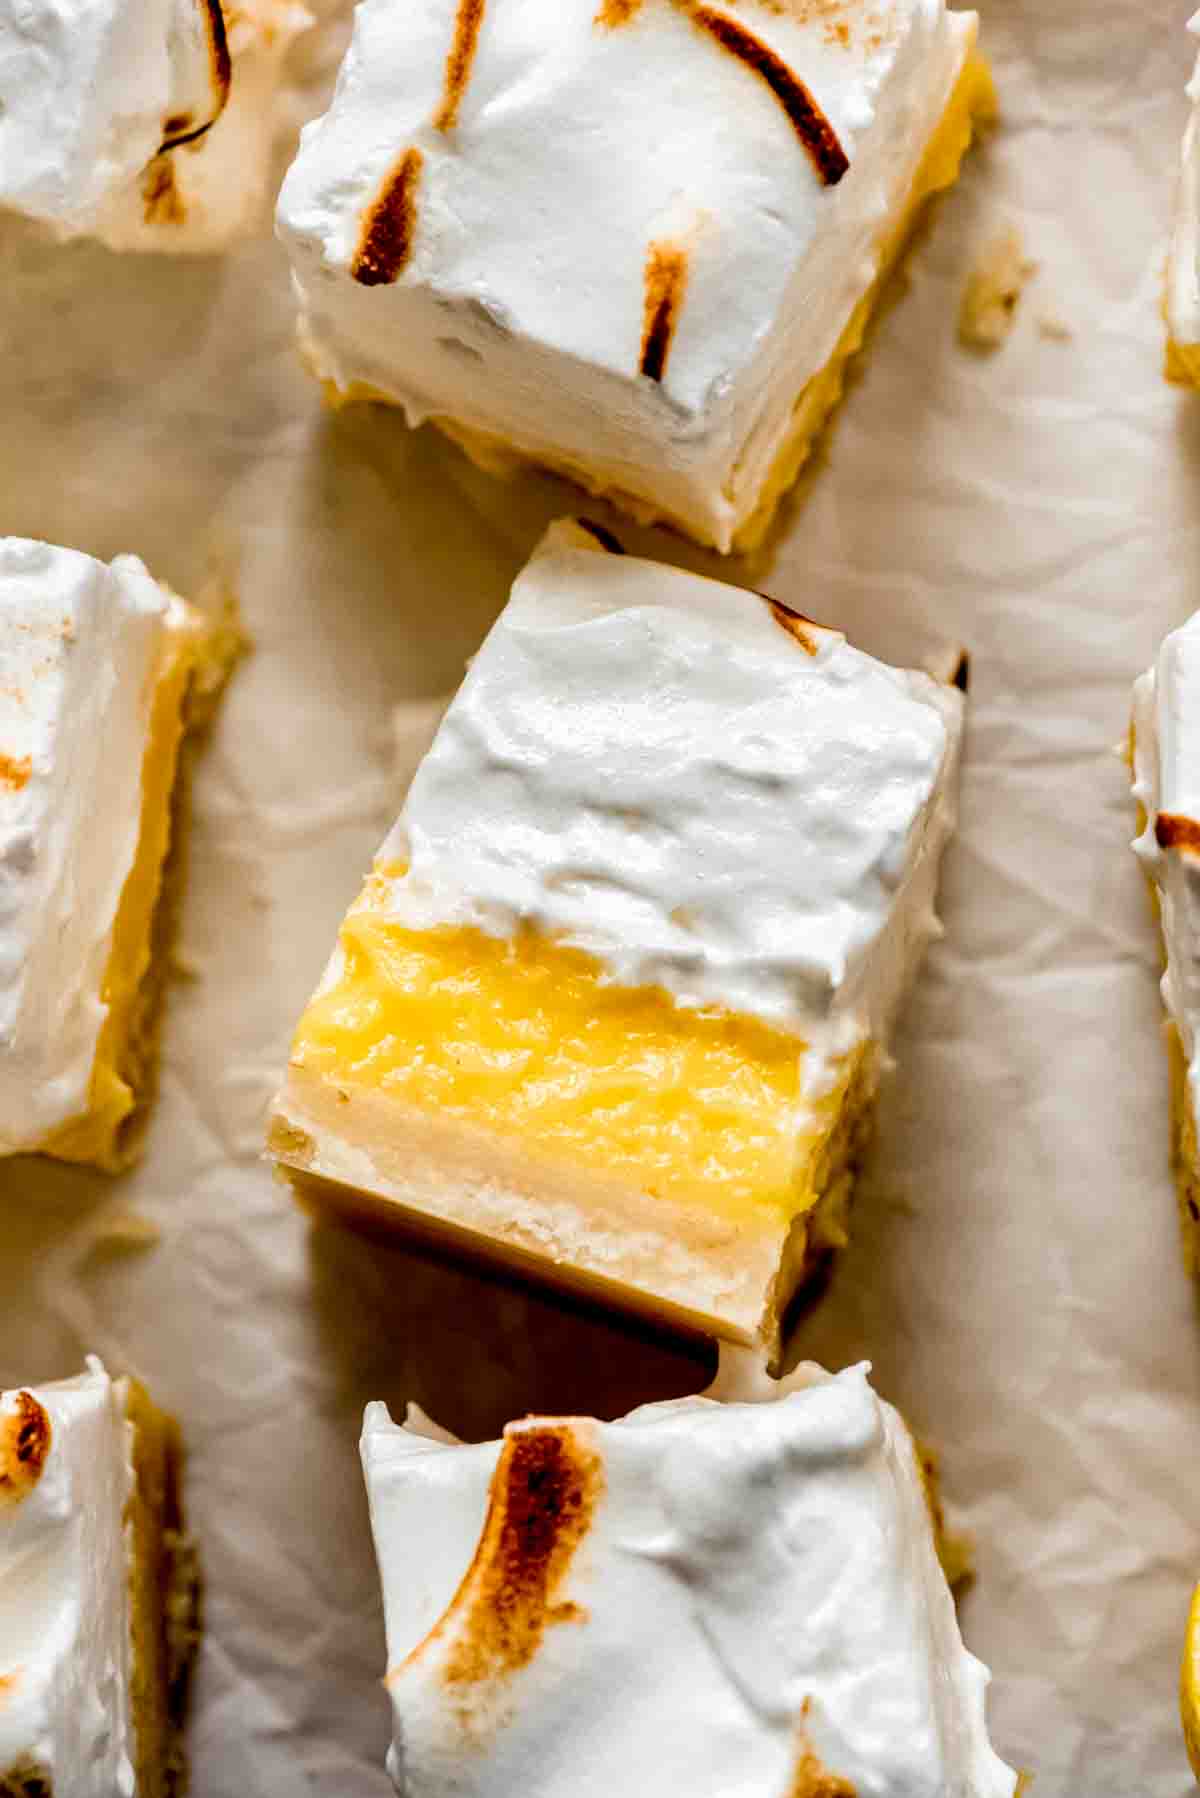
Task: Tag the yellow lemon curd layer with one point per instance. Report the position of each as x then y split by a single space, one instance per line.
525 1038
1190 1685
124 1049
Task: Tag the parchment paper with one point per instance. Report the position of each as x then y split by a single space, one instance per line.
1015 1274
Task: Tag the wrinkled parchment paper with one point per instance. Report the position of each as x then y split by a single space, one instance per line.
1015 1274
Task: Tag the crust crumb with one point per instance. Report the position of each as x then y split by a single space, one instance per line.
993 292
289 1141
15 771
1057 329
389 225
615 13
123 1229
25 1436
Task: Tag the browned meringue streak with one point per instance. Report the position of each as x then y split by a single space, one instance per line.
184 127
808 121
1171 831
467 26
15 771
665 286
389 225
543 1496
793 623
25 1438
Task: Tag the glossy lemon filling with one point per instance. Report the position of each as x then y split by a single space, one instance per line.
123 1048
527 1039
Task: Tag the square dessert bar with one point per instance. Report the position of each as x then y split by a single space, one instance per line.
102 672
1183 271
634 241
145 123
703 1597
612 1005
1165 754
98 1593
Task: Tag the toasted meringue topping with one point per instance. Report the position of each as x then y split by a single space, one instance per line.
703 1598
25 1436
664 291
201 71
80 646
643 765
458 62
542 1501
807 120
1171 832
65 1649
389 225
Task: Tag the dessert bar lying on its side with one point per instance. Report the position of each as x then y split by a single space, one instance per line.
520 223
703 1597
1165 755
613 1003
102 674
99 1594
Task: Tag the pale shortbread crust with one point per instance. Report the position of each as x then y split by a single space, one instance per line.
373 1160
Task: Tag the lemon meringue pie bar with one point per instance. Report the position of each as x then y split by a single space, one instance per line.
703 1597
520 223
98 1592
613 1002
1165 752
148 124
102 671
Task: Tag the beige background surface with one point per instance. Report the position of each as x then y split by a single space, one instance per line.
1015 1275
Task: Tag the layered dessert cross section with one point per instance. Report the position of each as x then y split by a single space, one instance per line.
613 1003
